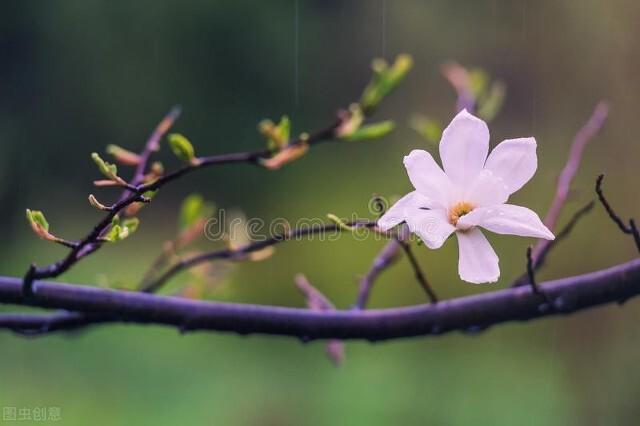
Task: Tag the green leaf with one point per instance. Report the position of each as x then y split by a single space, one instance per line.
478 82
193 209
371 131
385 79
277 135
284 129
107 169
121 229
36 217
428 128
181 147
40 226
490 105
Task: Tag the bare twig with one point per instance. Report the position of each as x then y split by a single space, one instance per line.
387 256
634 232
420 277
241 253
568 295
605 203
631 229
584 135
316 301
560 236
531 274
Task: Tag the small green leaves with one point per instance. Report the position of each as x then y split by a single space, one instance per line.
385 79
97 204
194 208
121 229
285 156
182 148
489 96
352 130
110 171
277 135
40 226
428 128
350 121
476 87
478 81
282 149
490 104
123 156
371 131
38 222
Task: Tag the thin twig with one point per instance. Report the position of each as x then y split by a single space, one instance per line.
560 236
385 258
632 229
316 301
584 135
605 203
241 253
420 277
634 232
531 274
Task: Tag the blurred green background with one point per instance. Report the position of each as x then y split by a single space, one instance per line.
77 75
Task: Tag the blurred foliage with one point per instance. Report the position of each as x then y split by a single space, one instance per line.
77 76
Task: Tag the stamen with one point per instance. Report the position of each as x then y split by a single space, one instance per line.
459 210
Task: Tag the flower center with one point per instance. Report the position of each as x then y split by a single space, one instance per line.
459 210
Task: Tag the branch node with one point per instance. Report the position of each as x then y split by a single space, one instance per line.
27 283
535 288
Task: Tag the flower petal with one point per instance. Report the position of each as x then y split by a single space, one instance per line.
431 226
464 147
401 209
507 219
428 178
515 161
478 263
486 189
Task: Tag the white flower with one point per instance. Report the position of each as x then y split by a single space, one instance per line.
468 194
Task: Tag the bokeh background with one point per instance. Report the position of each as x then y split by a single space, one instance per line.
77 75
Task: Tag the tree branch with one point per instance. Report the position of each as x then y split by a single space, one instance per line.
92 241
632 229
472 313
239 254
584 135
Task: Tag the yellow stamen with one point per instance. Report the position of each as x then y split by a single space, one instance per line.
459 210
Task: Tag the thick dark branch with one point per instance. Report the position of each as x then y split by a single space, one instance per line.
37 324
568 295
